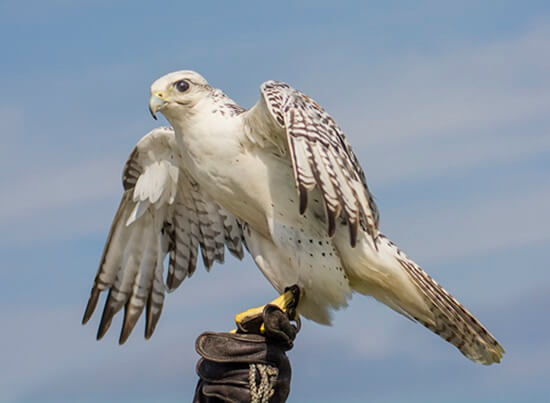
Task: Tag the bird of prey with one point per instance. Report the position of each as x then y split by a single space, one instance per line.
280 180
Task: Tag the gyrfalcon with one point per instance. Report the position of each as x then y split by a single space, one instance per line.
279 179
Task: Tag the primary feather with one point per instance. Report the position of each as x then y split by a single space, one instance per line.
162 212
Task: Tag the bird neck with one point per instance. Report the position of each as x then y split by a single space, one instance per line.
211 130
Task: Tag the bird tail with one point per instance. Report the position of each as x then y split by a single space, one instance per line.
439 311
451 321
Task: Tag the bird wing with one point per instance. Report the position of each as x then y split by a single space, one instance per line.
320 155
162 212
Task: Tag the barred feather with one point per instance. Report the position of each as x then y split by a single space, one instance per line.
322 157
447 317
452 321
162 212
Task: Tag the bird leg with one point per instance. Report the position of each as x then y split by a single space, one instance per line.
250 321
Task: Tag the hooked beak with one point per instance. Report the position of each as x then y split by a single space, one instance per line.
156 103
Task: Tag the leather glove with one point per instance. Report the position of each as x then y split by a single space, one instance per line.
250 365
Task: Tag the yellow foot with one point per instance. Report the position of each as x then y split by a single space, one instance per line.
252 320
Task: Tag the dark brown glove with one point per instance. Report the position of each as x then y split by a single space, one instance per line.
247 366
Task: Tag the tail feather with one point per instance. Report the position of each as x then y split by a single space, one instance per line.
451 320
387 274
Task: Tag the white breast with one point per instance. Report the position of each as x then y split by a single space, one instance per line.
256 184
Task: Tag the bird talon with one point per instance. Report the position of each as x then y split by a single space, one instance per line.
252 319
292 305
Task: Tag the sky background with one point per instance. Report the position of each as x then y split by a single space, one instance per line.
447 105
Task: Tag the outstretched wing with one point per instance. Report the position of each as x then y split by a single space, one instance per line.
320 155
162 212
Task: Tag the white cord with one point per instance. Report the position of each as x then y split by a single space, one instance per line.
268 377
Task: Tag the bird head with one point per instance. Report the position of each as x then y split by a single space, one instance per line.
177 93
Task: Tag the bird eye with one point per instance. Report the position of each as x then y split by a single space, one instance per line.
181 85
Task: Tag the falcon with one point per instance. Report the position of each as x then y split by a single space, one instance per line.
279 180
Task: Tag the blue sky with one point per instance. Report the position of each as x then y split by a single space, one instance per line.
447 105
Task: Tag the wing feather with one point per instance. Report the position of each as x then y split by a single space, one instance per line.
211 230
162 212
142 283
232 233
320 156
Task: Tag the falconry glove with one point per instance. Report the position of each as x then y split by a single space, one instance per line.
247 366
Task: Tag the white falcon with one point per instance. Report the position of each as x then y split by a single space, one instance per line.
280 179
